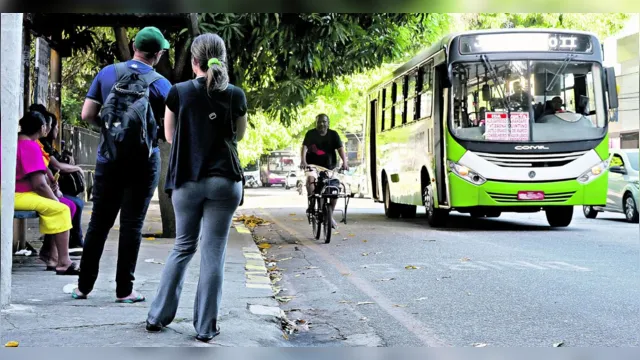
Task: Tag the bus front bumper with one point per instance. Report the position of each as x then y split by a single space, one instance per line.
505 194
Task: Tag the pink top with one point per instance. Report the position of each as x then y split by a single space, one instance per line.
28 162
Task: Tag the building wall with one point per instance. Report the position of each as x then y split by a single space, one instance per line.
623 53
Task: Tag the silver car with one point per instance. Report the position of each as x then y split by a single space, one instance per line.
622 195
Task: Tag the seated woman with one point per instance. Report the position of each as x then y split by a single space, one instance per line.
55 165
33 192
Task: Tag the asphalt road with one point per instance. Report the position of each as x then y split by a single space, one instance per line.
503 282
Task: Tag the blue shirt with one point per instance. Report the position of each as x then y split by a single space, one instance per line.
103 82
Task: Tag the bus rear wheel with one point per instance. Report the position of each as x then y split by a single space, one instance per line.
560 216
435 217
391 209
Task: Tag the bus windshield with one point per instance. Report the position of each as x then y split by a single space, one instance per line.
281 164
527 101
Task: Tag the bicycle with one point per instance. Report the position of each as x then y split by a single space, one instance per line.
319 212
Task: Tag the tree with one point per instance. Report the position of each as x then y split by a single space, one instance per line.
602 24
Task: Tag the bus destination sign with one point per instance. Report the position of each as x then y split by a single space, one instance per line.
526 41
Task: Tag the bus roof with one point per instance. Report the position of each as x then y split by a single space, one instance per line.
446 41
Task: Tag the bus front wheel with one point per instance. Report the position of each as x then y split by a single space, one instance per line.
435 217
560 216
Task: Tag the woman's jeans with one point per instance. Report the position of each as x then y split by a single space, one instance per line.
75 234
204 211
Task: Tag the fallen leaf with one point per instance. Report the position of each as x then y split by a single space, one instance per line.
285 336
479 344
364 240
559 344
399 305
365 303
297 275
284 299
264 246
346 274
351 235
336 233
292 214
11 344
365 254
465 259
345 302
150 238
153 261
411 267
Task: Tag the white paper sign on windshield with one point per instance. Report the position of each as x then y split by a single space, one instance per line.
497 126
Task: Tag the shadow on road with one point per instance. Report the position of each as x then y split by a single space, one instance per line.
457 222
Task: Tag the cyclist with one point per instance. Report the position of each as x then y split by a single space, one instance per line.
319 148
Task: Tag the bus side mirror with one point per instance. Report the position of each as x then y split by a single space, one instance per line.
612 89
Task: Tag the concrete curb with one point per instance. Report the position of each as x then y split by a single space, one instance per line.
257 277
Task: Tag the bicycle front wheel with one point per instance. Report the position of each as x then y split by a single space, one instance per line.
328 226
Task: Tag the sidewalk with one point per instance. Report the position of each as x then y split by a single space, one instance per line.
43 315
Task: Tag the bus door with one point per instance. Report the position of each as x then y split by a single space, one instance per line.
441 94
373 171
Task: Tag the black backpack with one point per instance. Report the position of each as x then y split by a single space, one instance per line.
128 123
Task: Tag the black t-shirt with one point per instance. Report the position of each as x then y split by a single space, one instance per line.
321 150
204 143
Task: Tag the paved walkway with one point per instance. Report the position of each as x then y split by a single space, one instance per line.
43 315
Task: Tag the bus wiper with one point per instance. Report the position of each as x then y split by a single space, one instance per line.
563 66
495 78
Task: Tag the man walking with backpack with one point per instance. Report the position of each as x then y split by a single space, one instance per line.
126 100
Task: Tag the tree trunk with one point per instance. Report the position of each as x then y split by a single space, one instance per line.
182 67
122 43
166 207
164 68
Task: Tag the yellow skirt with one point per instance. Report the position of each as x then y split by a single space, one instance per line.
55 217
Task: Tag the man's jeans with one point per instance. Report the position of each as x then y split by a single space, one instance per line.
127 189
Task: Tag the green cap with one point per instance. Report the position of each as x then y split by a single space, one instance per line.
151 40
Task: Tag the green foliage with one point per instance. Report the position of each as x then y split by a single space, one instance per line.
282 59
602 24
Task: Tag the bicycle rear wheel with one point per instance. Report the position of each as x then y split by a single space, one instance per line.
327 223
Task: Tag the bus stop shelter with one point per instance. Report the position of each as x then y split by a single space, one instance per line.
18 32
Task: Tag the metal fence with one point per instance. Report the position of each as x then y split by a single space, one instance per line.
83 144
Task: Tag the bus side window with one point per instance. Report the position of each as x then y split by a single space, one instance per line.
427 90
417 102
394 99
405 96
383 105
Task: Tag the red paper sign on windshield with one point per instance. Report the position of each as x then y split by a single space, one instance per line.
497 126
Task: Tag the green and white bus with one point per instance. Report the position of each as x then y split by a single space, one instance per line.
493 121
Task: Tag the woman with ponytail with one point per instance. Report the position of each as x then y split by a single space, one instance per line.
204 120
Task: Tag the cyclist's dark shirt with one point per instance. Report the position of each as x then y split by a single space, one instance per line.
322 149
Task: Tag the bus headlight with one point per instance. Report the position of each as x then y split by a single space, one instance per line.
466 173
594 172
